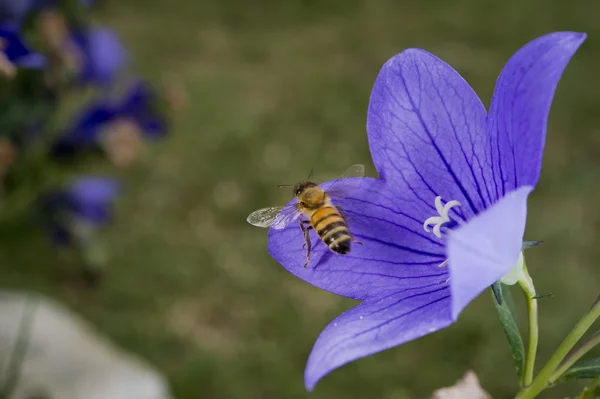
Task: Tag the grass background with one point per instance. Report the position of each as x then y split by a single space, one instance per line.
276 88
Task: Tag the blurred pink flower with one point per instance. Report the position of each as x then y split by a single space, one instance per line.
466 388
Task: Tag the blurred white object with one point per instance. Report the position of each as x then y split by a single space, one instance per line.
467 388
66 358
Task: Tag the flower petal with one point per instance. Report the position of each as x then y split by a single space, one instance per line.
85 129
378 324
139 103
396 251
105 55
137 98
32 61
16 49
94 189
92 197
14 10
152 126
486 248
426 130
520 107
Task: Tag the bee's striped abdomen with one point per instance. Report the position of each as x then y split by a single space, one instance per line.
332 228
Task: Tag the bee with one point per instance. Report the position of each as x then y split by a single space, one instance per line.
317 206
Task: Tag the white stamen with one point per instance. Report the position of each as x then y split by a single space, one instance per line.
437 230
438 221
438 205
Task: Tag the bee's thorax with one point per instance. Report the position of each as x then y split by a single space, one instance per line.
312 197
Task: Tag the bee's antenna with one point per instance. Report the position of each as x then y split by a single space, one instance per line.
310 175
285 186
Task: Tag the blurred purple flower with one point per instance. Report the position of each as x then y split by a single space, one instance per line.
140 104
83 206
137 105
14 10
16 51
103 55
453 191
85 130
91 198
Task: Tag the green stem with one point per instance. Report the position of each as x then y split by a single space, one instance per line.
589 391
526 284
575 355
542 380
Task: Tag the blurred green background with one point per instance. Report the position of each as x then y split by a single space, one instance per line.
276 88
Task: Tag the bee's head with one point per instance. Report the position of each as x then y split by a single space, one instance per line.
301 187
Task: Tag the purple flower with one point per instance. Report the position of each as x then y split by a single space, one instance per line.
446 219
84 132
14 10
83 206
16 51
103 55
140 104
136 105
91 198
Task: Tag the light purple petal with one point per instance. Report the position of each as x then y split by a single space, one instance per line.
106 54
520 107
32 61
486 248
426 131
396 252
96 190
378 324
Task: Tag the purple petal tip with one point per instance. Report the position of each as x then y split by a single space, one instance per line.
486 248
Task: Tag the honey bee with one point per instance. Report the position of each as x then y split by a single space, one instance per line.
321 215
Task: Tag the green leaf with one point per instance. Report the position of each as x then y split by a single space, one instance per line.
75 12
506 313
582 370
25 101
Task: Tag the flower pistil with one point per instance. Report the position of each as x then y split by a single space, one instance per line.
442 218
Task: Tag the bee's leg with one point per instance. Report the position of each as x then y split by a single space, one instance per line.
354 240
306 228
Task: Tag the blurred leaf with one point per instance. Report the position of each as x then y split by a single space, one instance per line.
504 304
591 391
26 102
75 12
582 370
94 253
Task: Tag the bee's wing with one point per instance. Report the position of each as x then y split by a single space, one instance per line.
287 215
276 217
264 217
357 170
